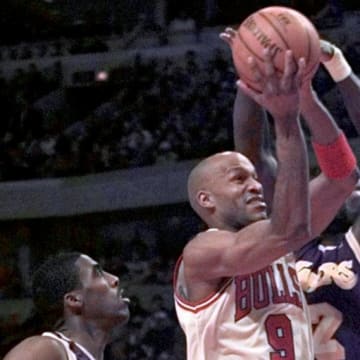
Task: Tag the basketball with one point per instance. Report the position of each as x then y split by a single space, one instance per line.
277 28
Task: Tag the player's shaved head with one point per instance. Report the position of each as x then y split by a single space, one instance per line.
202 175
198 179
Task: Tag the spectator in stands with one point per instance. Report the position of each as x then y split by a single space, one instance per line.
182 23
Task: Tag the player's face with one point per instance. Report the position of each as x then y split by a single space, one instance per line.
237 192
102 296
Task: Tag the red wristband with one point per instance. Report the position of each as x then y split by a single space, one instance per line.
336 160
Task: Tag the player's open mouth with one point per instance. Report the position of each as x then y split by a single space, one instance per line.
120 294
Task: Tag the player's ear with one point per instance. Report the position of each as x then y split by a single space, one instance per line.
205 199
73 300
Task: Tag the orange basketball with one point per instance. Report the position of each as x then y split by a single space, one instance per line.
277 28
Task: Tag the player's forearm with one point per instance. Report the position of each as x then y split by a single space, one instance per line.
322 126
290 209
249 121
252 138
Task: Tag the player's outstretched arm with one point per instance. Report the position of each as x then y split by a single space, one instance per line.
340 173
348 83
252 138
290 202
227 253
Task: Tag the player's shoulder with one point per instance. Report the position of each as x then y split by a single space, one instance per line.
205 237
37 348
207 244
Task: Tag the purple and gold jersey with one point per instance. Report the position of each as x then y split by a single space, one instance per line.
329 275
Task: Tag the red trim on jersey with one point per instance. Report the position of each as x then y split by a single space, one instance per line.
176 271
202 304
196 306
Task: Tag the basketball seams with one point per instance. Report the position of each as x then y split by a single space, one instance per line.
243 75
274 27
294 17
244 43
311 49
252 53
244 61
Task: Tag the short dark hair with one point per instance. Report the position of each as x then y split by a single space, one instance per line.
55 277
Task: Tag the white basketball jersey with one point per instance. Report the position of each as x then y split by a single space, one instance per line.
67 343
259 316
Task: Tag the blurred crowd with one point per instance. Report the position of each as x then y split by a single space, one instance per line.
160 111
157 110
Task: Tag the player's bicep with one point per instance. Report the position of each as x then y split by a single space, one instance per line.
225 254
208 251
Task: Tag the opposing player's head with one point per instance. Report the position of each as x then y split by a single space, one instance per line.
57 276
224 191
74 284
100 297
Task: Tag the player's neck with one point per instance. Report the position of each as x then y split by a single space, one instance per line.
91 339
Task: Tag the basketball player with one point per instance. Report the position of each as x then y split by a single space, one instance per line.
328 274
87 303
237 295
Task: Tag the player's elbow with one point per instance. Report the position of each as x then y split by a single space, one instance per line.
343 188
295 236
299 235
302 231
